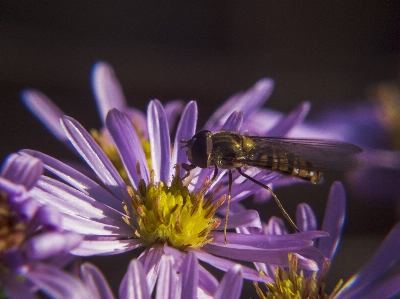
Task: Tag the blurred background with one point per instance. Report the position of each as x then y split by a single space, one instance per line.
322 52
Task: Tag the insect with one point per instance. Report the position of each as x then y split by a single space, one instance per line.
306 159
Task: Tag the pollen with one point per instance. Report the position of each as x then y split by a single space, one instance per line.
291 283
11 229
172 214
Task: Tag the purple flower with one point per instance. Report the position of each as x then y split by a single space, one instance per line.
372 281
31 239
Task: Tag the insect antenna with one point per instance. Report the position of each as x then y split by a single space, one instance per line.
283 211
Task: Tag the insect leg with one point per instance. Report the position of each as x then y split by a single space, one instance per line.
228 204
273 195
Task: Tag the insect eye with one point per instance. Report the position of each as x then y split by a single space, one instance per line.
201 148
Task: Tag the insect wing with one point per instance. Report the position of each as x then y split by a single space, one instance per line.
322 154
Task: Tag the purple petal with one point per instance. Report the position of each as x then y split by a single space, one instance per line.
333 220
246 102
173 110
22 170
96 158
46 217
77 179
251 254
305 218
386 289
95 282
186 129
150 260
276 226
167 283
104 247
49 244
159 141
57 284
80 206
234 122
134 284
46 111
284 126
297 240
249 218
231 284
190 275
128 145
386 257
225 265
106 89
13 287
207 282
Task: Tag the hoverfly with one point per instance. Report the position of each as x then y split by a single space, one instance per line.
302 158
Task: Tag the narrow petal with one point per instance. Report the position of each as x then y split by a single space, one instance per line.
333 220
106 89
159 140
305 218
134 284
128 145
56 283
186 129
190 276
387 289
76 179
225 265
167 283
386 257
46 111
234 122
173 111
231 284
104 247
49 244
284 126
248 218
269 256
95 157
150 260
22 170
246 102
95 282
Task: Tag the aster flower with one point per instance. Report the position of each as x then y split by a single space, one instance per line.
156 210
31 238
372 281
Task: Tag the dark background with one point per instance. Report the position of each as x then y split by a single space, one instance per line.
318 51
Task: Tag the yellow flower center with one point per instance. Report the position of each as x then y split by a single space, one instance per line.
171 214
291 284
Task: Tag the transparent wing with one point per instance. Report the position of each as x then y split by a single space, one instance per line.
322 154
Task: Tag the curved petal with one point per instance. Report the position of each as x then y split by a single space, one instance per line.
173 110
234 122
106 89
305 218
167 283
246 102
159 141
284 126
95 282
248 218
22 170
134 283
333 220
231 284
105 247
186 129
190 276
386 257
128 144
46 111
56 283
77 179
95 157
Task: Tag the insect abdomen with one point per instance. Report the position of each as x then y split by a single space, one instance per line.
289 165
